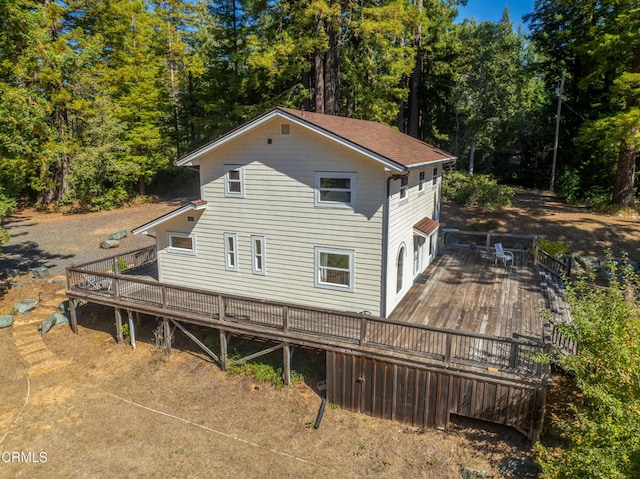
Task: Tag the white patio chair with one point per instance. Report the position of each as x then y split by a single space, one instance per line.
505 256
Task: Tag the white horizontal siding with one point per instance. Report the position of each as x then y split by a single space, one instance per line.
279 205
402 216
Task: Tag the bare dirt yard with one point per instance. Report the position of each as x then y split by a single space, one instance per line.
106 410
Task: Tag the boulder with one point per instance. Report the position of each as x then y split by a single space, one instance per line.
40 272
12 273
118 235
108 244
6 320
56 319
468 473
519 468
25 306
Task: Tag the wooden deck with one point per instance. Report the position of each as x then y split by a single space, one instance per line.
464 290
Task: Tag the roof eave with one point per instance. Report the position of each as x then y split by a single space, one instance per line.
172 214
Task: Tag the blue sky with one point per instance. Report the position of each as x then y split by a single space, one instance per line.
483 10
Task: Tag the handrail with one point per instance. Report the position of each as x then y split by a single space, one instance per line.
554 265
487 239
346 328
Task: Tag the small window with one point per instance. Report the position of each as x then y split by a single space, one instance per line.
234 181
404 187
231 251
335 190
334 269
258 254
435 176
421 181
181 243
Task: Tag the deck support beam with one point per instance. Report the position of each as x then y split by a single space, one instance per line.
224 342
255 355
132 329
197 341
287 351
119 336
166 333
74 315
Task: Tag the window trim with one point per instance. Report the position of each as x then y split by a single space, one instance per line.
422 180
178 250
318 175
231 252
400 268
334 286
262 240
227 192
434 180
403 188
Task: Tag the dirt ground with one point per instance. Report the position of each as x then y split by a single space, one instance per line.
111 411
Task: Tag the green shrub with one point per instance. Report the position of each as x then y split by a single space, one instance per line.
603 436
476 190
568 186
553 248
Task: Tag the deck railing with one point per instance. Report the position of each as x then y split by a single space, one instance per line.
100 281
487 239
548 262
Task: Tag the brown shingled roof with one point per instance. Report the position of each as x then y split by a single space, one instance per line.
375 137
426 226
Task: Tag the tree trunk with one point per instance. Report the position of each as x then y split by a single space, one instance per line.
472 154
319 80
413 126
332 73
623 194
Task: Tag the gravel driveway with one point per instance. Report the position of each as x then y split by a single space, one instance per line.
57 240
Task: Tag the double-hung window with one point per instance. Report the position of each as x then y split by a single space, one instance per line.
234 181
335 189
421 181
231 251
435 176
181 243
334 269
258 255
404 188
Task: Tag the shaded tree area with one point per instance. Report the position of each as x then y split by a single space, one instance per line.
97 99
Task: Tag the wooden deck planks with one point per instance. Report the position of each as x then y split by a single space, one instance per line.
466 291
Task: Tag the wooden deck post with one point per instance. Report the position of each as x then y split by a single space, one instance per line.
132 329
74 315
119 337
286 353
166 333
223 350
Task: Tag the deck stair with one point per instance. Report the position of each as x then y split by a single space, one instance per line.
554 296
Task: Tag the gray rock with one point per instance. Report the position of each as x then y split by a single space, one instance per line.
12 273
108 244
6 320
25 306
64 306
588 262
40 272
118 235
519 468
471 474
56 319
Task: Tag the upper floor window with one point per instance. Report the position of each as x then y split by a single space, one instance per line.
421 181
404 188
234 181
181 243
435 176
334 189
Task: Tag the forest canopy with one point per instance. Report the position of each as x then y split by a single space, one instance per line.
98 99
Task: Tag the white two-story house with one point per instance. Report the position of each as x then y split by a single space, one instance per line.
310 209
